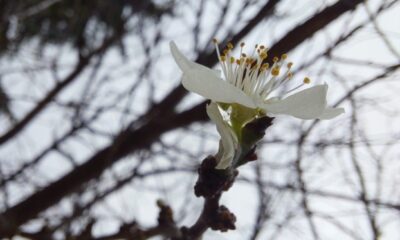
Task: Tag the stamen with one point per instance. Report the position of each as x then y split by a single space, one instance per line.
263 55
275 71
221 58
249 73
241 48
294 89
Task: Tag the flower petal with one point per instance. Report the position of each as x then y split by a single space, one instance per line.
330 113
228 141
183 63
207 83
307 104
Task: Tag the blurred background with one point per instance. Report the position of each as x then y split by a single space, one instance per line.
95 127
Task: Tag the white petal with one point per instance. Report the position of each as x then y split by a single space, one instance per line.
206 82
330 113
307 104
228 138
183 63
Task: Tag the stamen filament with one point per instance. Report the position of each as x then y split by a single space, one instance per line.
250 74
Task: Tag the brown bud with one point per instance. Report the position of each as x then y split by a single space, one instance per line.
211 181
224 220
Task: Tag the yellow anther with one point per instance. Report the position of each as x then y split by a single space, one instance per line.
275 71
244 55
223 58
238 61
290 75
262 47
242 44
275 59
225 52
263 55
230 45
284 56
232 59
215 41
265 65
306 80
290 64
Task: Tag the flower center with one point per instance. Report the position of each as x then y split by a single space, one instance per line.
252 74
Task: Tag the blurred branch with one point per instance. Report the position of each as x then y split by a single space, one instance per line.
162 118
303 188
372 218
35 9
381 34
263 203
131 140
41 105
83 62
122 145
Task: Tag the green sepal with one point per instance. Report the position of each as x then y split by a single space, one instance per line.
249 126
241 115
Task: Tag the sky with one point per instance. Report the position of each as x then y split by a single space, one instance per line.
164 75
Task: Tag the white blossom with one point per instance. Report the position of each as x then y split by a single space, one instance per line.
249 82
